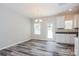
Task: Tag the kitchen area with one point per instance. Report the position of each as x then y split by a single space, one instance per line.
67 26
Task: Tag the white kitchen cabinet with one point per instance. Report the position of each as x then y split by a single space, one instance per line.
60 23
78 21
76 48
75 21
65 38
60 38
70 38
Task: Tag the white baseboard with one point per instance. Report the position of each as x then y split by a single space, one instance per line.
39 38
16 43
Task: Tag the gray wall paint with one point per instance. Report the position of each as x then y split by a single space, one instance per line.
14 28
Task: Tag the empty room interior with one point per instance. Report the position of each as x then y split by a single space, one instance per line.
39 29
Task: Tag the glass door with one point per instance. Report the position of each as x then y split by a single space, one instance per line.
50 31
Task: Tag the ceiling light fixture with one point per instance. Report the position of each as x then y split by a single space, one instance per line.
36 20
40 20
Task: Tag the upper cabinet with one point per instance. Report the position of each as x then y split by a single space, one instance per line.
75 21
78 21
60 22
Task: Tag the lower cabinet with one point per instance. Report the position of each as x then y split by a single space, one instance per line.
60 38
76 48
65 38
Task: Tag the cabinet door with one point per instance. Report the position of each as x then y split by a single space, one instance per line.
75 21
60 38
68 41
60 22
70 38
78 21
76 49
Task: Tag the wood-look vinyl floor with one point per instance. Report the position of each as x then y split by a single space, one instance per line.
38 48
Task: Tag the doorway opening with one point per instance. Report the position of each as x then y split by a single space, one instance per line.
50 31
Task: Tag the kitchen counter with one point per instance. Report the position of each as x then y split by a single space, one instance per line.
67 31
66 36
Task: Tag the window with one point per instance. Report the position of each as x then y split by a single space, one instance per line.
68 24
36 28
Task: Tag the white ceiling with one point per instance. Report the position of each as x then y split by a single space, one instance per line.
35 10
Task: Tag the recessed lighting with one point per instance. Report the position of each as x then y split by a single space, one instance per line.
70 9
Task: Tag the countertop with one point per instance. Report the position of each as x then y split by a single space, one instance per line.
67 31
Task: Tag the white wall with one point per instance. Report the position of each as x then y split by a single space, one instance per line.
14 28
43 35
